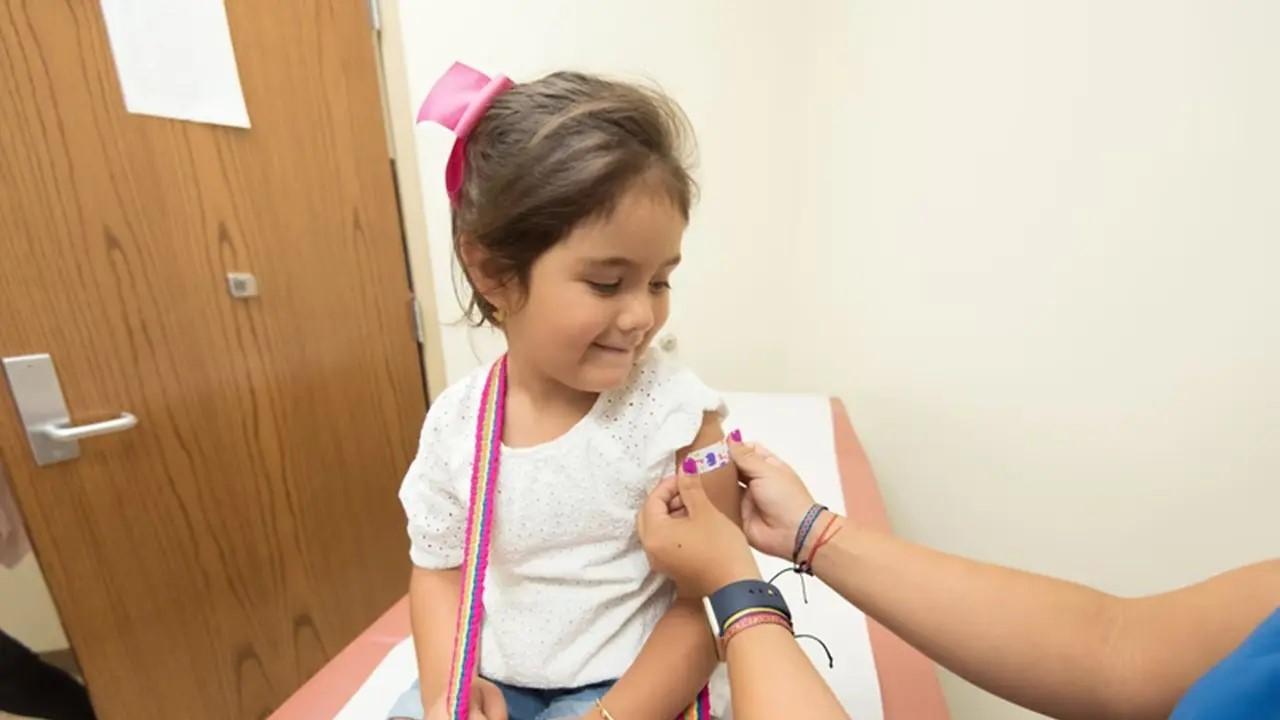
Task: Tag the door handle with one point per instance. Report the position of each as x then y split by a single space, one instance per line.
38 395
80 432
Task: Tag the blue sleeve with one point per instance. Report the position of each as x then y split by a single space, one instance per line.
1246 684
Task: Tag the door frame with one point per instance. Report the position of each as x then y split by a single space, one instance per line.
398 110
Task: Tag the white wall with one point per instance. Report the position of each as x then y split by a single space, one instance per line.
26 609
1031 244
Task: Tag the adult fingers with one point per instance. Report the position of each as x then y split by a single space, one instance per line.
693 494
754 461
656 507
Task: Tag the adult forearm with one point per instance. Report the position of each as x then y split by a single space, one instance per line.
1043 643
771 677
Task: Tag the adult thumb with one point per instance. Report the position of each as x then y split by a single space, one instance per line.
752 459
692 494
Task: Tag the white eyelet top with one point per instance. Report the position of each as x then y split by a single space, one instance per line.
569 598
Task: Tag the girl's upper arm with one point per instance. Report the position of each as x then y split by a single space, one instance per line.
722 483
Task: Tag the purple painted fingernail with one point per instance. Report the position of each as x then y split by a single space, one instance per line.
736 436
690 466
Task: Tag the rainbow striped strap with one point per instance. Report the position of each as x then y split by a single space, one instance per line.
700 709
475 555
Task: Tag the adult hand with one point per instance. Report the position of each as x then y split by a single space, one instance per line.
487 703
690 541
775 501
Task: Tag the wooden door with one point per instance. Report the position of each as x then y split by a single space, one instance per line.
209 560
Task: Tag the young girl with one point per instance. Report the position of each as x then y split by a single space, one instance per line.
570 199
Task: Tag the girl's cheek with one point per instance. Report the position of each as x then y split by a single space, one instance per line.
661 312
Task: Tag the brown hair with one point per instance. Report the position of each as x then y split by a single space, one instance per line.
555 152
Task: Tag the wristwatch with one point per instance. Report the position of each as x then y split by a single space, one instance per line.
732 599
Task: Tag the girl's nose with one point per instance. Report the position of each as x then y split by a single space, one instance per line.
637 316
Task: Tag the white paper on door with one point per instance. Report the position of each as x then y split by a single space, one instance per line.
175 59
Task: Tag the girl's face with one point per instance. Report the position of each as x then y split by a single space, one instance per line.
595 300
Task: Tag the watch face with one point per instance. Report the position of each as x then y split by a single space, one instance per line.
713 626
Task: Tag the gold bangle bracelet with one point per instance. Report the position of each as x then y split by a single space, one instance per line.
603 712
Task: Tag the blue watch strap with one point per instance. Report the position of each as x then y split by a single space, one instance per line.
744 595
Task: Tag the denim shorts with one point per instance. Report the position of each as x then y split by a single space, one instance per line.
522 703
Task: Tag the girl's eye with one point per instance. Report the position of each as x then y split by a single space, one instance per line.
605 288
660 286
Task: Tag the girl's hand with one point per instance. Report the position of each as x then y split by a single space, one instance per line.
487 703
690 541
775 502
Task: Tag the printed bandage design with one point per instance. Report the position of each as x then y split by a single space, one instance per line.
708 459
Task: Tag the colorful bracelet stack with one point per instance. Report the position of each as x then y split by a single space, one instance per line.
746 604
802 535
749 620
802 532
829 531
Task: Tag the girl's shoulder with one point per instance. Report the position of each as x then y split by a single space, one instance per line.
453 413
659 381
660 409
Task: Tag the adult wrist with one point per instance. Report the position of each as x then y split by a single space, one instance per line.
804 529
825 528
819 522
740 568
735 599
843 531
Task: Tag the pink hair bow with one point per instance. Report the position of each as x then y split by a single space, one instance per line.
457 101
